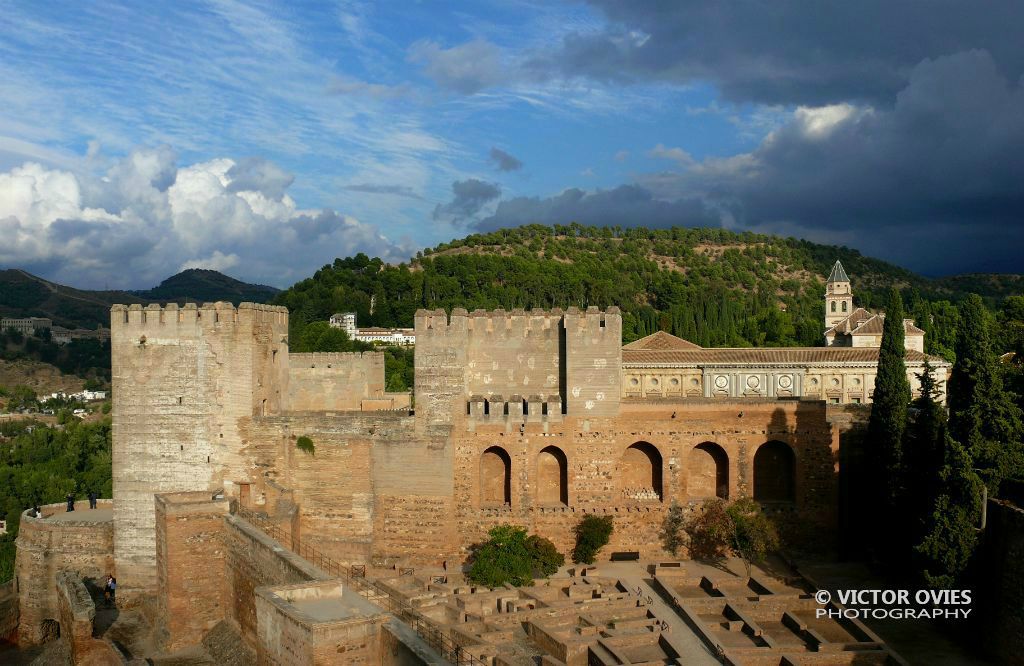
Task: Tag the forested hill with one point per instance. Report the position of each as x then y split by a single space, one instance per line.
25 295
710 286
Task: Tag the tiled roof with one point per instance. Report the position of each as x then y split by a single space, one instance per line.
660 341
859 315
863 322
837 274
764 355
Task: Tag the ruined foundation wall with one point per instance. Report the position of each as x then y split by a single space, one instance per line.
182 378
46 548
334 381
1002 584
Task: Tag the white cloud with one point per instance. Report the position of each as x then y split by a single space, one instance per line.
146 218
677 155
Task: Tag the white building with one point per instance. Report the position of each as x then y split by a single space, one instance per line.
346 321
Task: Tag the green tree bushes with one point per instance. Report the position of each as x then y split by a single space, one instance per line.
41 465
509 556
709 530
673 534
983 416
753 534
545 558
923 458
741 528
592 534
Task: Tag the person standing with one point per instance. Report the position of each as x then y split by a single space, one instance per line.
71 502
93 496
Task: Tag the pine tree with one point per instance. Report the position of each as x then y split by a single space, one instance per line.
889 411
983 416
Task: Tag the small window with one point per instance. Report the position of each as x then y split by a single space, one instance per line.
273 356
844 306
856 401
834 401
833 306
179 399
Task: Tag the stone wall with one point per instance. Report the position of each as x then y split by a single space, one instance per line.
1002 578
8 612
77 611
334 381
182 378
255 560
192 589
47 547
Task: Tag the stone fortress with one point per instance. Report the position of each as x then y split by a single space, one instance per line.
532 418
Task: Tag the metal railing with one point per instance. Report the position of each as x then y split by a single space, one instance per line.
354 577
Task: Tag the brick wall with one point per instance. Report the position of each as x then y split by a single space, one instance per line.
8 612
191 559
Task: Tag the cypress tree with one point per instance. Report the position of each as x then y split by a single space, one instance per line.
923 456
889 403
952 537
983 416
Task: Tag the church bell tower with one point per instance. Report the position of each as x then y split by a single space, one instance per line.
838 296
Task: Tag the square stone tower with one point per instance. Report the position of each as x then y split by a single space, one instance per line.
183 379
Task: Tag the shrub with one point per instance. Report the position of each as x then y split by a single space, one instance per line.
673 536
544 556
503 558
304 443
592 534
710 531
754 534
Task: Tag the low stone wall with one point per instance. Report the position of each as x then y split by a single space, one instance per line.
254 560
48 545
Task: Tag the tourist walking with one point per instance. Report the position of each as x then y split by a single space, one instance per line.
109 590
71 502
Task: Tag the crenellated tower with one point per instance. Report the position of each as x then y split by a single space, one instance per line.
183 378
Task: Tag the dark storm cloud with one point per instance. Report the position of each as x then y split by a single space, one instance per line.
933 183
626 205
504 161
786 51
470 196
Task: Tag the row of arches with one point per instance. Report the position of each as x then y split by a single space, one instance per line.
641 474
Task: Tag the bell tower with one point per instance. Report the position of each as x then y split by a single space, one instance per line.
838 296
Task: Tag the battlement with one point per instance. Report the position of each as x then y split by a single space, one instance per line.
315 360
207 315
515 322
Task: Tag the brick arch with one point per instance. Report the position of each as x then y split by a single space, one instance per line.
708 475
640 472
552 476
774 472
495 477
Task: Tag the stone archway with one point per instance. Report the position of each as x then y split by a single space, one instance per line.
640 472
552 476
495 477
708 471
774 473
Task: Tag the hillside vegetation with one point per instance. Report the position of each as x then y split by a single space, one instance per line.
710 286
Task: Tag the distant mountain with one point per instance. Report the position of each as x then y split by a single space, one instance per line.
25 295
197 284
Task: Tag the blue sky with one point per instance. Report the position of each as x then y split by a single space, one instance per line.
264 139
